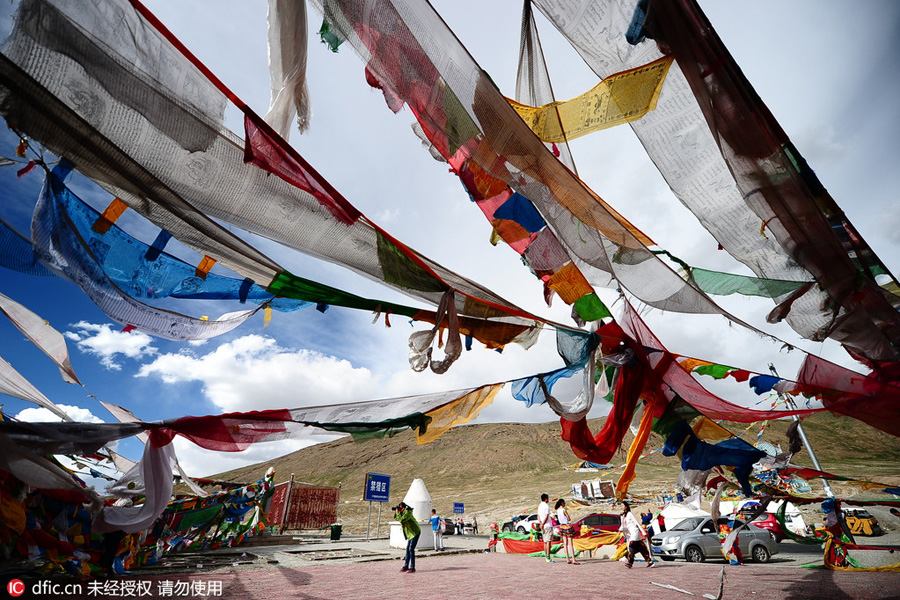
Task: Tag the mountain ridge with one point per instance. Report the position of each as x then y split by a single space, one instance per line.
500 469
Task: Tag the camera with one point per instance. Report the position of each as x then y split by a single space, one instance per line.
399 507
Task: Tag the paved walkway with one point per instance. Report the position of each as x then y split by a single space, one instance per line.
353 568
500 576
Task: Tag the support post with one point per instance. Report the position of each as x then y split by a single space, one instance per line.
287 505
378 526
803 438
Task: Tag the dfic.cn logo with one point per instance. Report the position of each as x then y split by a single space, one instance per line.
15 587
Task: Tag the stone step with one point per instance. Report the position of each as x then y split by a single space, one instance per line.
270 540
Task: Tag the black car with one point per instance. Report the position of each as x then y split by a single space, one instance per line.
449 526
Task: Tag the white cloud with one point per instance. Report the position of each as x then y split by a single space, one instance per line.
389 215
198 462
253 372
106 344
80 415
42 415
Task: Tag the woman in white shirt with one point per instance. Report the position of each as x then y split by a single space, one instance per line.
566 531
634 537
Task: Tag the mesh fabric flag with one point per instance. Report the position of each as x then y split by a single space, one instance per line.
727 159
415 59
149 129
39 331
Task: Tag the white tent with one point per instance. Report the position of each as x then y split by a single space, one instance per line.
792 517
676 512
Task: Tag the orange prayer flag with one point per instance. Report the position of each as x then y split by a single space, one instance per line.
109 216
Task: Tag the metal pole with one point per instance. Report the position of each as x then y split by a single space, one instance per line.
287 505
369 521
378 526
803 438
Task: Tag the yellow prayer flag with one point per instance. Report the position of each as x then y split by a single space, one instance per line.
595 541
620 98
689 364
459 411
710 430
12 513
569 283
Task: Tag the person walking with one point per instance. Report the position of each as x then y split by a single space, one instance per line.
646 520
634 536
545 525
566 531
437 526
411 531
474 525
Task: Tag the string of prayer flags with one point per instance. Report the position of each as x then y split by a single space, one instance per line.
169 177
725 175
51 342
14 384
65 253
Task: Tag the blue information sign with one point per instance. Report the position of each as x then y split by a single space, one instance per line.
458 508
378 488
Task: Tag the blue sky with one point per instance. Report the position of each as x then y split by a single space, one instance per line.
826 70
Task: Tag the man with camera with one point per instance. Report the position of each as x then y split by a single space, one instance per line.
411 532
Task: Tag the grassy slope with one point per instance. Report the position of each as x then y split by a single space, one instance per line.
500 469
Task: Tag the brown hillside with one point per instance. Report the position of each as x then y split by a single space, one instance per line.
500 469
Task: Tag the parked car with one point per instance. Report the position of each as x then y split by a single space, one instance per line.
861 522
511 524
449 527
695 539
522 524
525 524
768 522
599 522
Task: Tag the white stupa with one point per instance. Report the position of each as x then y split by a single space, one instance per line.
419 500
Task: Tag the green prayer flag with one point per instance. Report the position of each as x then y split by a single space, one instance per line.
400 270
591 308
724 284
329 37
198 517
714 371
288 285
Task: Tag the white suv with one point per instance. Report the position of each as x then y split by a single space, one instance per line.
520 524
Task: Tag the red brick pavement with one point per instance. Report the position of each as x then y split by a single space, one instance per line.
499 576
